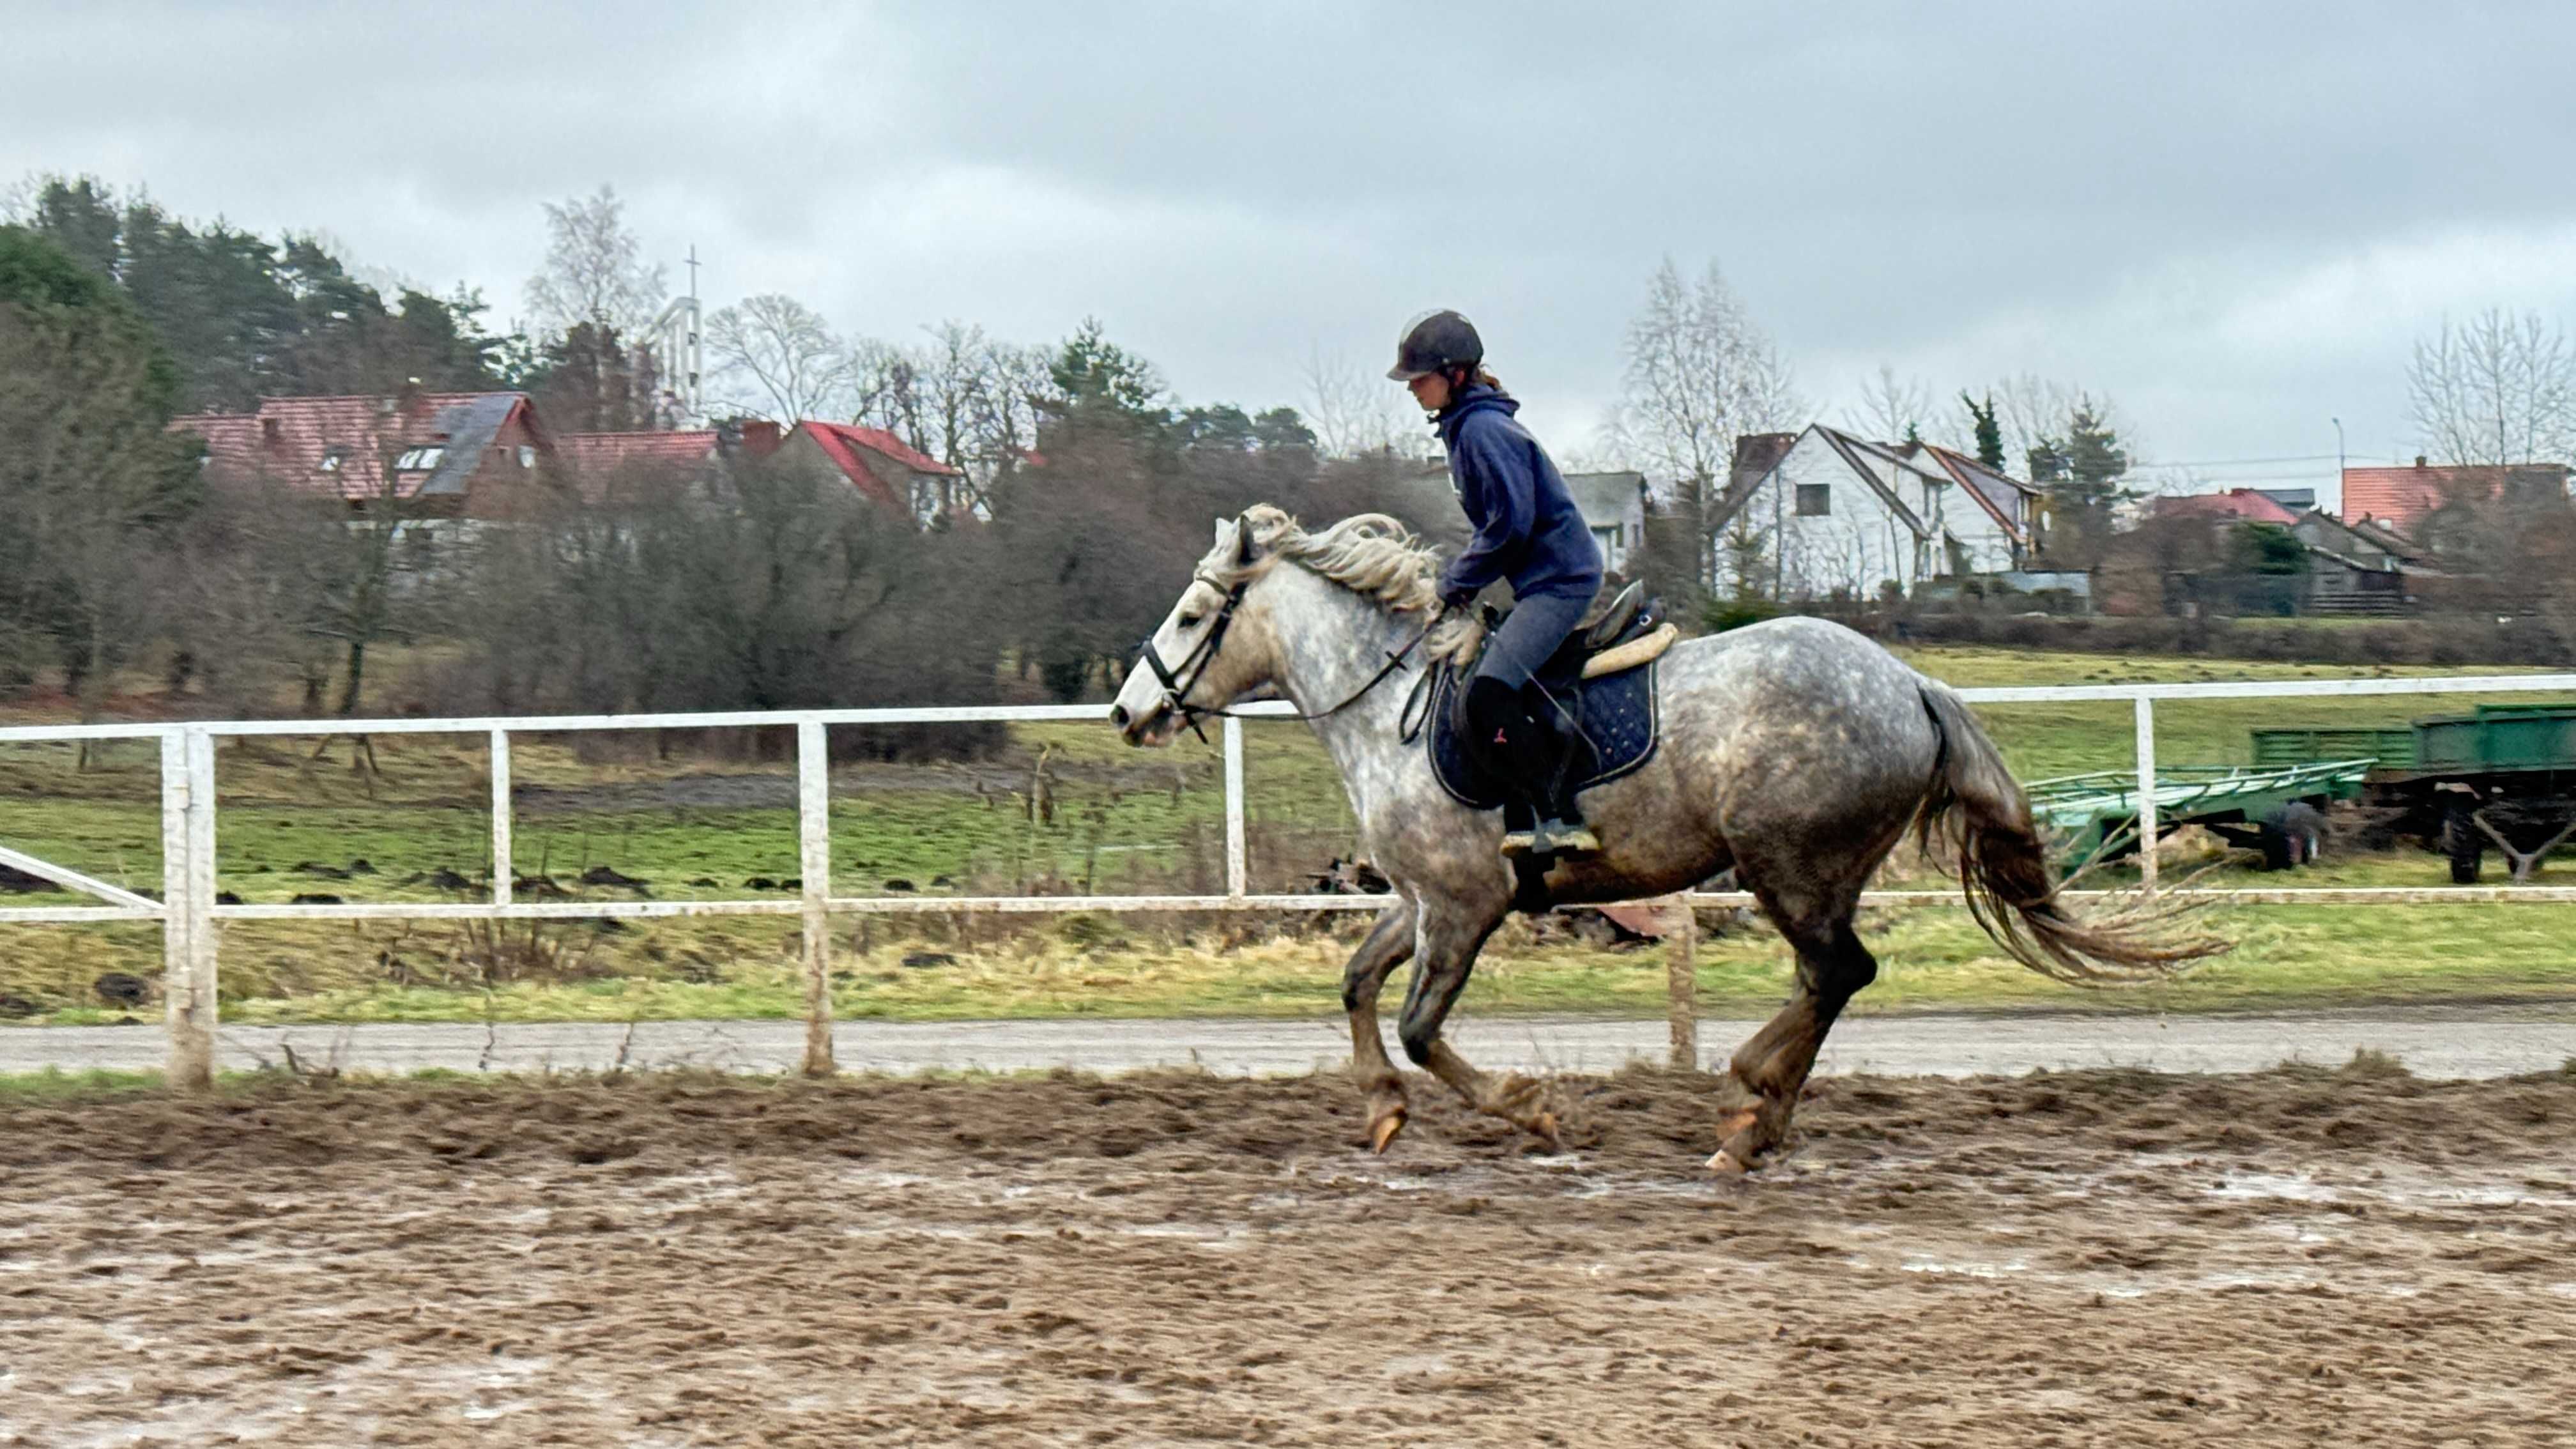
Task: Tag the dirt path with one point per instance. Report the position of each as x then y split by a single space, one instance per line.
2432 1041
2123 1258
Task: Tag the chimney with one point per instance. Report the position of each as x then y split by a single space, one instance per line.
759 437
2419 460
271 432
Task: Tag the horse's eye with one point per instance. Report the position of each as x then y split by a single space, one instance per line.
1189 621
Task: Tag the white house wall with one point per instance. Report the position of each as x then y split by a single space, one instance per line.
1952 514
1856 548
1864 545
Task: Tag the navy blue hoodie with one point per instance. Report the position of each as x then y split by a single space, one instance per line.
1527 527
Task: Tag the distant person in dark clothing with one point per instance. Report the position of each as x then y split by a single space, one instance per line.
1529 533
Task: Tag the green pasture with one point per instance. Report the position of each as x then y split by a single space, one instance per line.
1060 809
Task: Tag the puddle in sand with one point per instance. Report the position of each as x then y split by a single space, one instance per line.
1975 1253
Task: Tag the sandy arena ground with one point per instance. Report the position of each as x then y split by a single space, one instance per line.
2296 1257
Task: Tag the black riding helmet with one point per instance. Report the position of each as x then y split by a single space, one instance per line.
1436 342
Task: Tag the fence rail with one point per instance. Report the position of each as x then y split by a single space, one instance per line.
189 912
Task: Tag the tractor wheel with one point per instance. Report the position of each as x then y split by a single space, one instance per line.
2464 844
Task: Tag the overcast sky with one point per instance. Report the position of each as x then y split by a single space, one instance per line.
2232 219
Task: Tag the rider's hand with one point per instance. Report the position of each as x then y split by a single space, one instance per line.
1457 600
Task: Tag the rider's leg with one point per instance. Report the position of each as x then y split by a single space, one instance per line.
1535 757
1512 749
1560 829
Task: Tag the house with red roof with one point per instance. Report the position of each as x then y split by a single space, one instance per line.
887 471
598 462
2403 499
2236 505
464 455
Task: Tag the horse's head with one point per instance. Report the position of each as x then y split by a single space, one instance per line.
1207 654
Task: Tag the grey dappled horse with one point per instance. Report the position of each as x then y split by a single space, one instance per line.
1795 751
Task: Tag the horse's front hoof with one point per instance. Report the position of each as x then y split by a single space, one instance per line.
1382 1131
1543 1126
1724 1164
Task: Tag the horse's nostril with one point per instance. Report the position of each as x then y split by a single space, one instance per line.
1118 715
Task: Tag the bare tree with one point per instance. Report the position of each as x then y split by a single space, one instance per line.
2029 410
962 397
2495 391
1700 373
2033 412
794 365
1357 414
1896 410
594 270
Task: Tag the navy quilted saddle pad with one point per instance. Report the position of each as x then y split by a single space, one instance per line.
1617 712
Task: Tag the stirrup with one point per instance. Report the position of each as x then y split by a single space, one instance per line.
1519 842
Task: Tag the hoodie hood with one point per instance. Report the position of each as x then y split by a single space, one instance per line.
1476 397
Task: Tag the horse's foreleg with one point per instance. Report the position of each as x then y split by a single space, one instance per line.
1386 948
1446 956
1770 1070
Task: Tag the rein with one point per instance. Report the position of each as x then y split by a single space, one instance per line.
1196 662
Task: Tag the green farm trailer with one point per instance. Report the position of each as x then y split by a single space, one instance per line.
2504 775
2275 808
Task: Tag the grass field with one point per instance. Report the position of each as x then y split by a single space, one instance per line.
294 824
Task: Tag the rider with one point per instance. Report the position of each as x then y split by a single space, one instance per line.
1528 531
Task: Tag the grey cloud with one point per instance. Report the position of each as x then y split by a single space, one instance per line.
2108 194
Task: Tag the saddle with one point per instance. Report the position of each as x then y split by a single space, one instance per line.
1602 675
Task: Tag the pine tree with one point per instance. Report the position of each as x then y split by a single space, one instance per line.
2082 472
1990 434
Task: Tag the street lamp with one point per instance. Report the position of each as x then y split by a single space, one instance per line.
2338 422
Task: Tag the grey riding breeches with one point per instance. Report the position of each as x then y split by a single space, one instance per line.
1537 626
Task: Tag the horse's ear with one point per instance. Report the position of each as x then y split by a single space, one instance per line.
1222 523
1243 541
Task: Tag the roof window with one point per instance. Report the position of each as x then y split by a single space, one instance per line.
332 460
419 460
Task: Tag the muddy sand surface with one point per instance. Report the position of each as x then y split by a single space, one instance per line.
2289 1257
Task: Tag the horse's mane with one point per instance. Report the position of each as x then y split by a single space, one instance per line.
1370 554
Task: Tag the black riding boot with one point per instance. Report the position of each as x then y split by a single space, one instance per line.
1528 757
1561 830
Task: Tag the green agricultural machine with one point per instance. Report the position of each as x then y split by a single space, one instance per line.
2276 809
2504 776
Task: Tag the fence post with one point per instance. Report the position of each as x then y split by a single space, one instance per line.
187 903
814 857
502 869
2146 793
1681 985
1235 872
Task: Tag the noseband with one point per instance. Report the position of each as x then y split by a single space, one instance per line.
1195 663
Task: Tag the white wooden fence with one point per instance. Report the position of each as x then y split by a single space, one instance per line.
189 912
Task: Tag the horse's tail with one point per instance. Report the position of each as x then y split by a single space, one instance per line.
1976 808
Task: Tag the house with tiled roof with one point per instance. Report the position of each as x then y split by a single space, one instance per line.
599 463
1829 512
2405 498
593 455
886 470
477 455
2236 505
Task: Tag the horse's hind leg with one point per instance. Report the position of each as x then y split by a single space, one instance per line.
1386 948
1770 1069
1445 955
